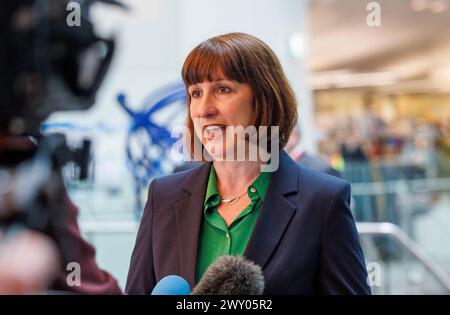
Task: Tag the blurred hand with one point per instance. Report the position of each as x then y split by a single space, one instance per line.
29 262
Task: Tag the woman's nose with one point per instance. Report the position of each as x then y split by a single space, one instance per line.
207 107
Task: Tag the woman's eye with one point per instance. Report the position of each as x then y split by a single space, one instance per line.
223 90
195 94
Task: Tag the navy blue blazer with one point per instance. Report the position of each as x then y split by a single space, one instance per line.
305 238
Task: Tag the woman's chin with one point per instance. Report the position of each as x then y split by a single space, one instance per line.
217 151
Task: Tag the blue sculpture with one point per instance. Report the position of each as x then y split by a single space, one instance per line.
149 142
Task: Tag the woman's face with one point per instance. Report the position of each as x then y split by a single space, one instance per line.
217 105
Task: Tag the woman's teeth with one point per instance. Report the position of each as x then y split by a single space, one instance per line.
214 131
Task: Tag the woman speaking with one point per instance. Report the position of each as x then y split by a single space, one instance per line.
293 222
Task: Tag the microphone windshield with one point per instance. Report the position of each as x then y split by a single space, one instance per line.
231 275
172 285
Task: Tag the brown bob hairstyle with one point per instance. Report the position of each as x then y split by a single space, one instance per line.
246 59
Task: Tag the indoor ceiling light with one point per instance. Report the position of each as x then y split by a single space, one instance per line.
435 6
297 45
438 6
419 5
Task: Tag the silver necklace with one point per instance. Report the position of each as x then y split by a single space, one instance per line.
230 201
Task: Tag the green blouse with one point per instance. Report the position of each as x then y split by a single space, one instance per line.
216 238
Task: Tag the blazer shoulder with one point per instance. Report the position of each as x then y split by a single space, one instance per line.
320 182
170 187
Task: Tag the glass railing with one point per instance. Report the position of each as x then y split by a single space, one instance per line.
403 194
410 271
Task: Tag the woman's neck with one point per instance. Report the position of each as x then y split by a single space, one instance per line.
233 177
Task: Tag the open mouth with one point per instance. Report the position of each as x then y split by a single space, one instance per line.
212 132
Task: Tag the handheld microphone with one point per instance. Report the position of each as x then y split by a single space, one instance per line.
231 275
172 285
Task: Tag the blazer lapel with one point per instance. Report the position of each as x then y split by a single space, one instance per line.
276 212
188 215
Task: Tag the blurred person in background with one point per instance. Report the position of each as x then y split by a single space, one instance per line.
368 124
303 158
444 149
421 149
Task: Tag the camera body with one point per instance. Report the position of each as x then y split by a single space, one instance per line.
47 63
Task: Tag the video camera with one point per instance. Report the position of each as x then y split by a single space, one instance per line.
46 64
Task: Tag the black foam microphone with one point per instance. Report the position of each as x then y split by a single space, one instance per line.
231 275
